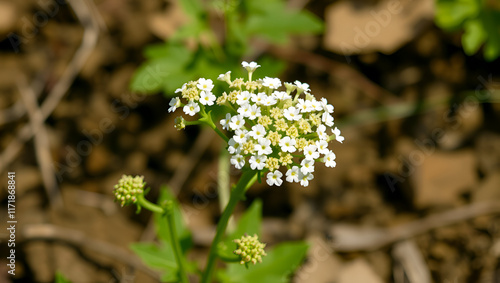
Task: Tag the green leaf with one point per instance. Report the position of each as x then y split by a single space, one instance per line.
276 267
158 257
450 14
249 223
155 73
183 233
59 278
491 20
474 36
192 8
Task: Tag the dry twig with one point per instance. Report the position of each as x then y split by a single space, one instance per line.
348 238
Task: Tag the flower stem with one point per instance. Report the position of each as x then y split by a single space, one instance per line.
179 257
143 202
246 180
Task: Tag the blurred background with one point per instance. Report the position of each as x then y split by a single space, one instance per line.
415 196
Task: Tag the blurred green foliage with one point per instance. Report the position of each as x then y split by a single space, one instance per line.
211 52
480 20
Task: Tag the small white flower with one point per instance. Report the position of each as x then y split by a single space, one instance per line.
304 105
305 178
254 112
288 144
329 159
270 101
181 88
327 107
292 175
240 136
191 108
237 122
244 110
238 161
302 86
225 77
338 137
327 119
234 147
225 122
292 114
260 98
207 98
310 152
321 131
307 166
281 95
174 103
316 105
250 66
274 178
272 83
257 132
263 147
204 84
322 146
243 97
258 162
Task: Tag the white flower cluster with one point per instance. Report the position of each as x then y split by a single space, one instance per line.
271 128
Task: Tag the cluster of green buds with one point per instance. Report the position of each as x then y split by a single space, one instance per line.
128 189
250 249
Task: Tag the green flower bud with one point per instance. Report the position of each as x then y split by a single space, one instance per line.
250 249
128 188
180 123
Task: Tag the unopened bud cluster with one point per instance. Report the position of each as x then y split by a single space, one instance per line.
249 249
128 188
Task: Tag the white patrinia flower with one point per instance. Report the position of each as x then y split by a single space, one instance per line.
254 112
184 86
302 86
281 95
225 77
292 175
263 147
292 114
310 152
174 104
237 122
329 159
338 137
191 108
207 98
272 83
304 105
257 132
225 122
307 166
250 66
233 146
243 97
287 144
240 136
260 98
244 110
327 107
274 178
327 119
305 178
238 161
257 162
321 131
322 146
205 85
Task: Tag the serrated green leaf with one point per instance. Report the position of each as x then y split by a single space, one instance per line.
474 36
450 14
276 267
183 233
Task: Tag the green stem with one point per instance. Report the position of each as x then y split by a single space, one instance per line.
179 257
143 202
246 180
